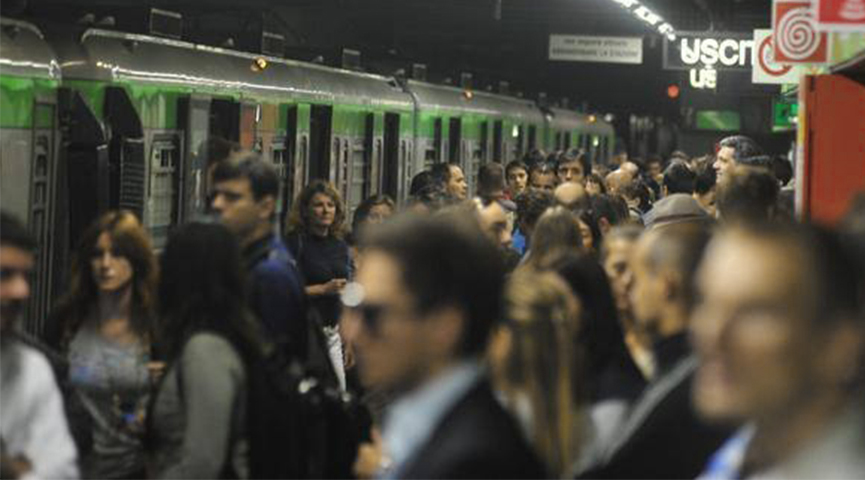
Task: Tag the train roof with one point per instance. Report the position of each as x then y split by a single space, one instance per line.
118 56
444 97
25 53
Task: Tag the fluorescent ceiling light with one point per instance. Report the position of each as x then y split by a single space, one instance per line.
649 17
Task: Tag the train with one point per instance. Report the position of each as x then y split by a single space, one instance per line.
93 119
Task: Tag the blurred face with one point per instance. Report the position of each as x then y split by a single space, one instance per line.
724 161
322 210
494 221
15 267
655 171
457 185
393 351
758 350
544 181
572 172
518 179
379 213
646 292
618 268
237 208
707 201
586 235
593 187
111 271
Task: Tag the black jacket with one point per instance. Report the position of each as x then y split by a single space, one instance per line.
663 437
476 439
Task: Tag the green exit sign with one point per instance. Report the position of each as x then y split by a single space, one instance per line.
785 115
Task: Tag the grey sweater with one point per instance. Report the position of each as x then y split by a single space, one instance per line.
201 433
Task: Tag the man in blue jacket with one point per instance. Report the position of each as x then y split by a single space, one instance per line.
244 198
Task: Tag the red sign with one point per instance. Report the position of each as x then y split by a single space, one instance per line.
797 37
841 14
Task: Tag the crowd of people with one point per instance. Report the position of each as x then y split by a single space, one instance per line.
666 318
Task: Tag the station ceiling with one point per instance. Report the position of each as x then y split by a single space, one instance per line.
494 40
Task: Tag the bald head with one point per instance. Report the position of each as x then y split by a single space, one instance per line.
571 195
617 180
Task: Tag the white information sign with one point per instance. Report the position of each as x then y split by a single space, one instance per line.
578 48
765 70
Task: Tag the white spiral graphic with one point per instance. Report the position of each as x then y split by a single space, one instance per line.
796 35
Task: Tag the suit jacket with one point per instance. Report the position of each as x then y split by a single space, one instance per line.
476 439
662 437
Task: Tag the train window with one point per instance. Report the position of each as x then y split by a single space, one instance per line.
483 146
163 191
533 131
282 164
359 175
558 142
519 135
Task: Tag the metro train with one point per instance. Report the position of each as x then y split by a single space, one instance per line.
93 119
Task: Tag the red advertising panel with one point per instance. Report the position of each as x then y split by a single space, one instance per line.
841 14
797 36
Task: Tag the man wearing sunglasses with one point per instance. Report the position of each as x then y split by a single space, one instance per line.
426 298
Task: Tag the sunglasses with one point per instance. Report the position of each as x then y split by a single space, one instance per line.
370 314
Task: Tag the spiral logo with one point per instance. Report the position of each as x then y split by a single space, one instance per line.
796 35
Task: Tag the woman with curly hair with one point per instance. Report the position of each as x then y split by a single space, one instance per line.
104 328
315 239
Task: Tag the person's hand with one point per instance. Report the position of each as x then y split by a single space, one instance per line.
156 371
334 286
370 457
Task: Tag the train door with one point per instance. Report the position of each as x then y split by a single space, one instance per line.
42 220
84 160
483 147
359 154
558 140
225 119
248 137
320 121
283 151
391 164
532 140
126 166
498 142
455 128
519 142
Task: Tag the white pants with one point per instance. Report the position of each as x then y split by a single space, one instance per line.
334 351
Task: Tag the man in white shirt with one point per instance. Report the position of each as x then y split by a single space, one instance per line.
35 437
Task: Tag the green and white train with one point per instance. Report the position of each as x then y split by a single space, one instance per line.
98 119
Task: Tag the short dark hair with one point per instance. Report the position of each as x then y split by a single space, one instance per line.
441 173
14 233
543 167
748 194
514 164
217 149
759 161
263 179
577 155
491 178
705 178
531 158
446 260
743 147
531 204
603 206
362 211
679 178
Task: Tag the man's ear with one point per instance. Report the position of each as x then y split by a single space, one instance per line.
445 335
268 207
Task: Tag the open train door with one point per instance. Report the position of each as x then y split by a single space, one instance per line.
320 124
498 141
194 118
390 171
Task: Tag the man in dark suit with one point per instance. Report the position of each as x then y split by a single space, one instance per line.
662 437
427 295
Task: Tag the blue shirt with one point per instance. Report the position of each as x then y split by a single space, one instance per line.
276 294
412 420
518 242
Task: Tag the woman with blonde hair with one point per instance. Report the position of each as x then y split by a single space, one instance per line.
536 367
104 327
